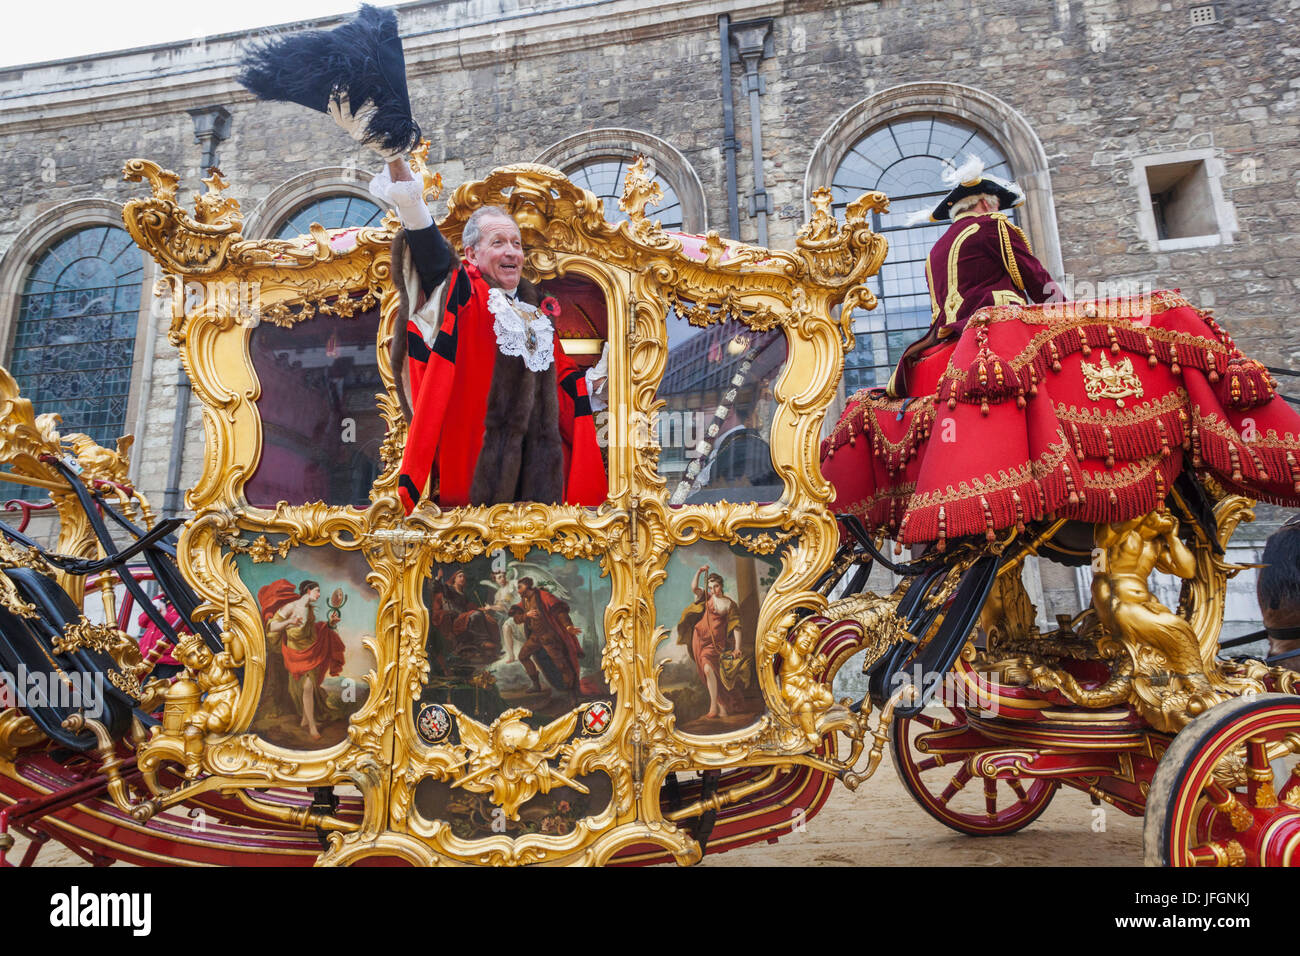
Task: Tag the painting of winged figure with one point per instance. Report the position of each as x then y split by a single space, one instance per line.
508 633
317 612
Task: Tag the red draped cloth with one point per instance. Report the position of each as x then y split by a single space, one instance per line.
1077 410
326 653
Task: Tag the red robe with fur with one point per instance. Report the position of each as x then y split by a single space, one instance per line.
455 406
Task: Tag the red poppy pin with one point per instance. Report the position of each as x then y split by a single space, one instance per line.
550 307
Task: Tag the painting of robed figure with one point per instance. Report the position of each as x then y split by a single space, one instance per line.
712 596
317 613
310 649
515 633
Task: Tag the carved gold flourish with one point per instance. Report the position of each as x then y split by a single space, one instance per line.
125 652
512 761
1164 664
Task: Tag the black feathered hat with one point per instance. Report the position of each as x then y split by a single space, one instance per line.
971 181
362 58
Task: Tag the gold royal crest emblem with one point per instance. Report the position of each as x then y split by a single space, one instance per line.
1117 381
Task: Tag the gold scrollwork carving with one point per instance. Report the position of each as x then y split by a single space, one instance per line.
1164 663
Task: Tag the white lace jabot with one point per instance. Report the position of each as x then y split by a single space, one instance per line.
523 330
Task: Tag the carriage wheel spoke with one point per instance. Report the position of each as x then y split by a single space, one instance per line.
991 797
955 784
1228 853
1014 784
1259 774
1227 803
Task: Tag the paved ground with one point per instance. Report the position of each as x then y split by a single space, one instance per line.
880 825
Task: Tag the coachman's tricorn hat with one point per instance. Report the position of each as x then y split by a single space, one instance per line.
971 181
361 59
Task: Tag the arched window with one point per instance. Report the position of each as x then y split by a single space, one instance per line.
332 212
604 177
905 159
74 341
598 160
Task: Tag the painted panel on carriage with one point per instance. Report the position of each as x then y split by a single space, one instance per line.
507 633
321 428
715 430
707 612
473 816
316 611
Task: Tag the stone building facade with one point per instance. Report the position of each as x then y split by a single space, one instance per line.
1158 140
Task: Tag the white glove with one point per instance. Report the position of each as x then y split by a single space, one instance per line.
597 381
354 123
405 196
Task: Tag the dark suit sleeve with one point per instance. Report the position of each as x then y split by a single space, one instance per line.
432 256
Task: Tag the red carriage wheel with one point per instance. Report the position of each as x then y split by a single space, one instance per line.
931 753
1227 791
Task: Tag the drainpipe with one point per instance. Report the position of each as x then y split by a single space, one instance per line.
730 146
211 127
752 42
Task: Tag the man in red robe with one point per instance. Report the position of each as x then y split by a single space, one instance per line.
983 259
498 412
550 629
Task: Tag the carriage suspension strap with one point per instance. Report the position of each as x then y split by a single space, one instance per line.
703 828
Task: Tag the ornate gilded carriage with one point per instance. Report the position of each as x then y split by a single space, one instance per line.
644 681
454 755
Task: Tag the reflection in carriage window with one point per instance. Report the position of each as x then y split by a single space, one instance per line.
714 432
583 328
321 428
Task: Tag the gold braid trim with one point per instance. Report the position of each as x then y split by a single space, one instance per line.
1008 253
1021 233
862 397
909 435
1132 415
1122 476
1046 463
929 282
1030 351
864 505
1213 423
952 303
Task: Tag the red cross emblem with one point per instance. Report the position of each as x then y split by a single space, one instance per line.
597 717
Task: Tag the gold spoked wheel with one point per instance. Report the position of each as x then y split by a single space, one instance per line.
1227 792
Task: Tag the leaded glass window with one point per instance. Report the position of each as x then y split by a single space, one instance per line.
74 342
604 177
905 160
332 212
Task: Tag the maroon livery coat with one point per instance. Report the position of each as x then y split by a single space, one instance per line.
981 260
